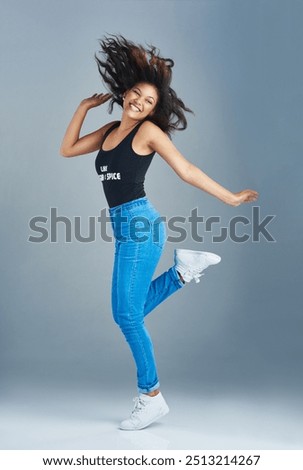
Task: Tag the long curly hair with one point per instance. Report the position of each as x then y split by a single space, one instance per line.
124 64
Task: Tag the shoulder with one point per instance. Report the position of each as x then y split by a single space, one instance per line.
150 128
106 129
150 132
107 126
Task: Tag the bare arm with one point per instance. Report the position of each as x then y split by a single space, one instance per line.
72 145
159 142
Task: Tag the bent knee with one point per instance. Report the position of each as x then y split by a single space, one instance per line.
128 322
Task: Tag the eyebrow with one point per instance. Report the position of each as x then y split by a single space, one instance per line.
137 88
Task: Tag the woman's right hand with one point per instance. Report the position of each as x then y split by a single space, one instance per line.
72 145
95 100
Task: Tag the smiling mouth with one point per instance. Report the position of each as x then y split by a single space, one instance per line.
135 108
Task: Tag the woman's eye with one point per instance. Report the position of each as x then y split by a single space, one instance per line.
136 91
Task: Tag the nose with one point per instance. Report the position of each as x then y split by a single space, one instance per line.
138 100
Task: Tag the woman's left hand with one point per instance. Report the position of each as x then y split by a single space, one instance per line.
247 195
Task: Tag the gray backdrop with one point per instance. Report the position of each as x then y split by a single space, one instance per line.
238 66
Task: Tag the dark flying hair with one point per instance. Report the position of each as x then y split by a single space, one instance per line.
124 64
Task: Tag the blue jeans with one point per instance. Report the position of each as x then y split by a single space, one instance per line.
140 236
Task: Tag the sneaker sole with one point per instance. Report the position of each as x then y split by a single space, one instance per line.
210 256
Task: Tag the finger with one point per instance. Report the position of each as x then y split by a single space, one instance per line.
104 97
107 97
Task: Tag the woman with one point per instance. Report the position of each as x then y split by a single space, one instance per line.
139 81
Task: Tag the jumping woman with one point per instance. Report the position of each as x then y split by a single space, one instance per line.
139 82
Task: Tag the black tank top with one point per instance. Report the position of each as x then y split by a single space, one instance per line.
121 170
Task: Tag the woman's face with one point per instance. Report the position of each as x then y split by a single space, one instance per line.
140 101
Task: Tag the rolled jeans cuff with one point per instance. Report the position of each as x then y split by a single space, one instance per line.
175 276
151 389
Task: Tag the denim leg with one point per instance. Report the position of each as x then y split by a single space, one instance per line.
134 266
134 294
161 288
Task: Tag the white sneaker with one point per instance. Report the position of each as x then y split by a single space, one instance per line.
147 410
190 263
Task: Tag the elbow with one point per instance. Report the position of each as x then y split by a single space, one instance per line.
63 152
185 175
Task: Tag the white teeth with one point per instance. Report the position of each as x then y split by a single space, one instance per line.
134 108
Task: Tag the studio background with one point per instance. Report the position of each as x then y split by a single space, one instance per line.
230 346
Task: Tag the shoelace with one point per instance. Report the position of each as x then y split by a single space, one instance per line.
139 405
196 273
